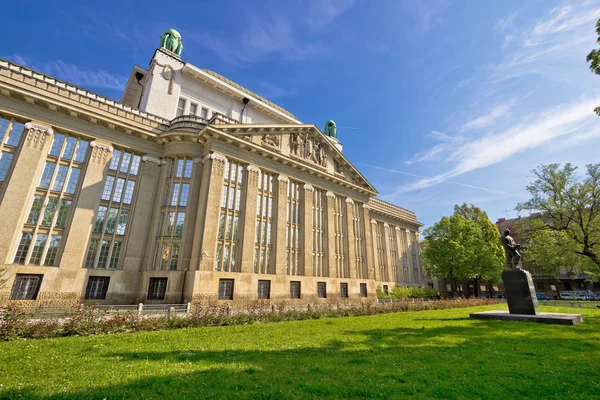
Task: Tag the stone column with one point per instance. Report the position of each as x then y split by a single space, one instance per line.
331 238
204 247
399 268
141 219
85 210
19 190
407 244
307 204
388 251
374 244
351 239
279 208
248 228
369 259
419 267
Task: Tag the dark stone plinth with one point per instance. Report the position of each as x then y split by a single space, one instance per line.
520 293
547 318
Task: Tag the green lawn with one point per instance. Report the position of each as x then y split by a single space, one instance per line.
428 354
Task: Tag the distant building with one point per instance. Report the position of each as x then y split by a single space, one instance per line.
192 188
544 283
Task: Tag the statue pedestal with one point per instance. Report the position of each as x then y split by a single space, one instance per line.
520 292
523 304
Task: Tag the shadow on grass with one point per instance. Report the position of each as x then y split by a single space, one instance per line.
485 359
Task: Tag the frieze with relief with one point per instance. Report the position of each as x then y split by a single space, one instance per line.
270 140
304 146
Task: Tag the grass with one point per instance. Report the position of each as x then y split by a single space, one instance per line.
427 354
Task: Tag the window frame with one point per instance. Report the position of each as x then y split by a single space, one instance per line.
261 289
14 292
293 285
158 291
56 191
323 286
363 290
89 286
223 282
344 294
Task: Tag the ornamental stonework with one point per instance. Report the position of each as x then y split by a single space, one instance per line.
151 164
253 174
36 135
101 153
271 141
217 164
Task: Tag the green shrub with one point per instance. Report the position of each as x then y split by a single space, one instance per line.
14 324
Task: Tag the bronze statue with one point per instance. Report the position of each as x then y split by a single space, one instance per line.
511 249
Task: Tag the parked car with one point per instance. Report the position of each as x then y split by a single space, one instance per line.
541 296
576 295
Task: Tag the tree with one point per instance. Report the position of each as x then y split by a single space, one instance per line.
490 259
455 249
568 232
594 59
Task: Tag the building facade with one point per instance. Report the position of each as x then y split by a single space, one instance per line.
191 188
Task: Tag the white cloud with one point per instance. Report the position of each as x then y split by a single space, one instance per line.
506 23
490 117
448 142
566 120
94 78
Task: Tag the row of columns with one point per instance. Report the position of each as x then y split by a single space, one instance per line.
207 240
404 245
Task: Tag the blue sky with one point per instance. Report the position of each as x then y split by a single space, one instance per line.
437 102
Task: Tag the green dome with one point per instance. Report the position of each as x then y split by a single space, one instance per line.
173 32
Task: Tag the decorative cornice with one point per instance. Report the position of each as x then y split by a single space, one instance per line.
100 152
101 146
309 187
214 157
349 201
37 128
283 179
330 194
156 161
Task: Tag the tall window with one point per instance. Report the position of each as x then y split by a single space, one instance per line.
173 212
358 225
381 255
229 218
10 134
344 290
292 232
52 202
114 213
180 107
394 259
318 233
263 262
341 262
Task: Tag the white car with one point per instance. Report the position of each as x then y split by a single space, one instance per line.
575 295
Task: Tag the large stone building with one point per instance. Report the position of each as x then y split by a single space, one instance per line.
192 188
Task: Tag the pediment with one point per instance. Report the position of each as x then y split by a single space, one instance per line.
304 144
